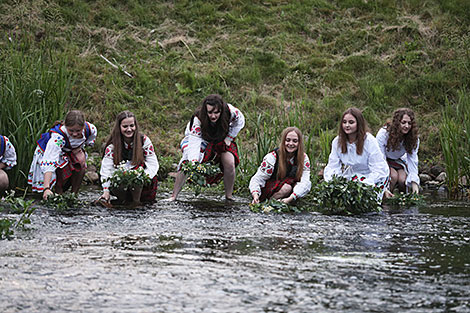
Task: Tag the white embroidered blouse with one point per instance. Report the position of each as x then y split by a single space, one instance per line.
9 155
107 164
265 172
411 159
193 144
54 156
370 163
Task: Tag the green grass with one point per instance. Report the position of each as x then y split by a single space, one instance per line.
455 143
292 63
34 94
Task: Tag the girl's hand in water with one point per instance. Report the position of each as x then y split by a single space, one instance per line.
105 196
255 198
288 199
46 193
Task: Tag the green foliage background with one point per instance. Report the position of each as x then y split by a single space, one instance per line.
281 62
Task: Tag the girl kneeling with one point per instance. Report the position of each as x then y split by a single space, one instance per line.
128 146
284 173
7 161
59 160
399 143
355 153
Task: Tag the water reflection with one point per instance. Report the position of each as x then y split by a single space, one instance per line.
210 256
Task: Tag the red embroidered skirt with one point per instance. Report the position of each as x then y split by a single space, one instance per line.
63 174
274 185
149 192
213 154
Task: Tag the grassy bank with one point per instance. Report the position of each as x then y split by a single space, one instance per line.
281 63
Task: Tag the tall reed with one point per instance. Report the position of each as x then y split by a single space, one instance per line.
455 142
34 88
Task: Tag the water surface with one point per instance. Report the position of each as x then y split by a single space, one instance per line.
202 255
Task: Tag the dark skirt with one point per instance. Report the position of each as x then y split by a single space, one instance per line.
213 154
64 173
274 185
396 164
149 192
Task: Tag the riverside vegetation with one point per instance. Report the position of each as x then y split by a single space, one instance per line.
282 63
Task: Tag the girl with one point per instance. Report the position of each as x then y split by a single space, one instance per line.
355 153
209 136
280 175
7 161
399 143
60 158
127 144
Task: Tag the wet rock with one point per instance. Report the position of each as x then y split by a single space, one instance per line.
424 178
436 170
92 177
441 177
433 184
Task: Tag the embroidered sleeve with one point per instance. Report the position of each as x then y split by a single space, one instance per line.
9 156
264 173
51 159
334 162
91 140
107 166
304 185
194 135
151 161
412 163
237 122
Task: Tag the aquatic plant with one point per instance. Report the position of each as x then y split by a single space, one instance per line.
344 197
15 205
406 200
273 206
61 202
128 178
198 173
5 228
34 88
455 143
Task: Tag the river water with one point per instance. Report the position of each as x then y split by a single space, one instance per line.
200 255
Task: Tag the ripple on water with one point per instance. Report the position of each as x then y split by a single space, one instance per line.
210 256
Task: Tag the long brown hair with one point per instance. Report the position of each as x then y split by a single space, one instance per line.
117 140
395 136
211 132
299 157
362 129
